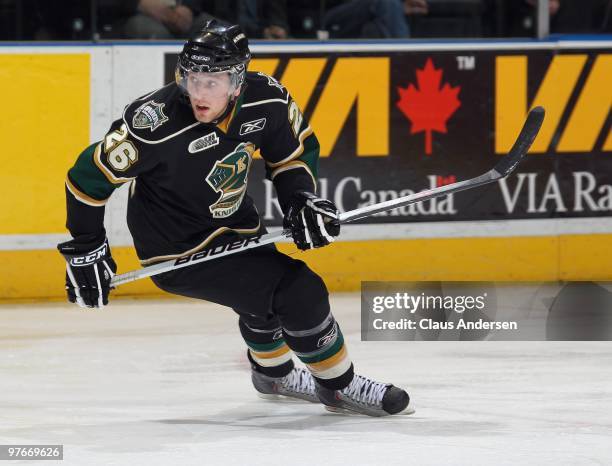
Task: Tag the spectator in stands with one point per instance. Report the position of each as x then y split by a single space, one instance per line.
372 18
265 19
584 17
305 18
62 20
566 17
416 7
174 19
259 19
126 19
159 19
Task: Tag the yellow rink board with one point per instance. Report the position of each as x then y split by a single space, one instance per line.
45 124
33 275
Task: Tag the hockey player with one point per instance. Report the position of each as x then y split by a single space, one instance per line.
186 150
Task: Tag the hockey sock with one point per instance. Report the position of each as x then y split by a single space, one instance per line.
268 353
323 351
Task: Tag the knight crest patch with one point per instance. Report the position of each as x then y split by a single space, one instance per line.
229 177
149 115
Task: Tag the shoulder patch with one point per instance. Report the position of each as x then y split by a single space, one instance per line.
262 89
272 81
149 115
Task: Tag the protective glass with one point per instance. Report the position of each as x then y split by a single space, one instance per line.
211 85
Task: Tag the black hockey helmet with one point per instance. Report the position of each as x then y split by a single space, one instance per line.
217 47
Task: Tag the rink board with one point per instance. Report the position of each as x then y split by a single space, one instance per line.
551 221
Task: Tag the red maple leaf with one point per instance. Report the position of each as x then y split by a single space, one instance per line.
428 107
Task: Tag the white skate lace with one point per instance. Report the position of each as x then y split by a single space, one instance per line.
366 391
300 381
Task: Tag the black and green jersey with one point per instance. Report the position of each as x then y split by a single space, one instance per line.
189 179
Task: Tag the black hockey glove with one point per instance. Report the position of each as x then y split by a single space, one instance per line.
89 269
313 221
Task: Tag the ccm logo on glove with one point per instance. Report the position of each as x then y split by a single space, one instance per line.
89 270
91 258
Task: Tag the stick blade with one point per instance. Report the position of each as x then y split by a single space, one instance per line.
530 130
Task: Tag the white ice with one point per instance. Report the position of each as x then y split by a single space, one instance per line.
166 383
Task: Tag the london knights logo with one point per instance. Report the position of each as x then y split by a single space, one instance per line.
149 115
229 177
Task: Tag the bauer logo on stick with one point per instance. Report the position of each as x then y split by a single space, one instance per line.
246 243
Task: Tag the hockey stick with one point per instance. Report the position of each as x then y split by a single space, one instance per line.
501 170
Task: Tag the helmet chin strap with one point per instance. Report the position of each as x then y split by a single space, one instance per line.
225 113
230 106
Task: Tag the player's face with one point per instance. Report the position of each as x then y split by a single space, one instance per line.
209 94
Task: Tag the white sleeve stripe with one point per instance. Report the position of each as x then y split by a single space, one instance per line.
308 239
81 197
99 287
75 287
110 272
297 152
292 166
323 230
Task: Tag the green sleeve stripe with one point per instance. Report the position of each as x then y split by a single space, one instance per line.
88 176
310 156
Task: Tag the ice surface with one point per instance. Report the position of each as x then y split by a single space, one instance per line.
167 383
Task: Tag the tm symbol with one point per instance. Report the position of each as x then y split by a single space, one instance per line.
466 62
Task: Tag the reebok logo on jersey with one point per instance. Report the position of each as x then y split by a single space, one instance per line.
252 126
203 143
329 337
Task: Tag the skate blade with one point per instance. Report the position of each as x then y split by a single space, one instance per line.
282 398
335 410
407 411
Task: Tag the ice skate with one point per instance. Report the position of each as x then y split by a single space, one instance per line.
297 385
365 396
